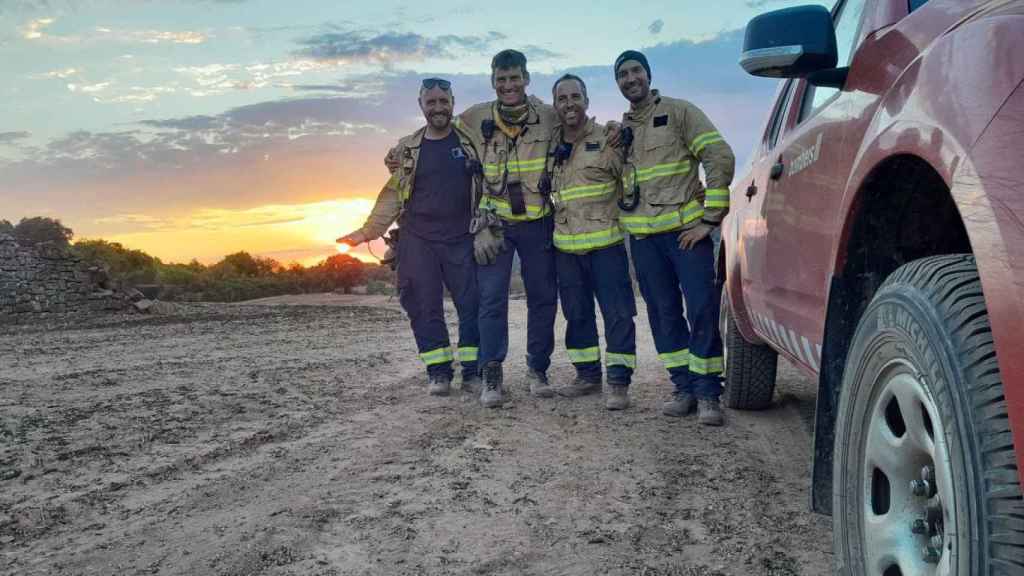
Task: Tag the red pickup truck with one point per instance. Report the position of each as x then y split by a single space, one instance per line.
876 241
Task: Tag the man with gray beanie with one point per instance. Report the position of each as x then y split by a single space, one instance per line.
670 215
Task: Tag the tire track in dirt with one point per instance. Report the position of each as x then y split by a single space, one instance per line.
302 442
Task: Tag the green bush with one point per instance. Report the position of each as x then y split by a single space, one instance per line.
123 264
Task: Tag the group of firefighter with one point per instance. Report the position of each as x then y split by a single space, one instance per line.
549 183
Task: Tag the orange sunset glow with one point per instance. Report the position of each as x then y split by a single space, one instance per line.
303 233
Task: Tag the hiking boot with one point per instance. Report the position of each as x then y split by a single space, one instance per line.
580 387
539 386
492 395
681 404
617 398
709 413
471 384
438 385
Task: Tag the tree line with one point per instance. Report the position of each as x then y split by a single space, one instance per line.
236 277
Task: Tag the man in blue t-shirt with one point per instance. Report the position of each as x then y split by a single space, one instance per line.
432 195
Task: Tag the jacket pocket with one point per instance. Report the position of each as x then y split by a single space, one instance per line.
659 138
601 210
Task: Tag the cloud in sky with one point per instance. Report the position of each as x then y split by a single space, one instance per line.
656 26
368 107
361 46
62 74
152 36
33 30
146 181
11 137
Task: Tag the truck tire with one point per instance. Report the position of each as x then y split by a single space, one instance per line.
749 368
925 473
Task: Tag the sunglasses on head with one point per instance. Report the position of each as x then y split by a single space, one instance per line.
429 83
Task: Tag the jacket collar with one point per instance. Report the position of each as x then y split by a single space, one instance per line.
641 115
533 101
588 129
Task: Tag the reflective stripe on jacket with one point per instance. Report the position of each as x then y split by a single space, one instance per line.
585 192
508 160
392 198
672 138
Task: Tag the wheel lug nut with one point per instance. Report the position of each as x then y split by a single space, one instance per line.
936 541
930 555
928 474
919 487
919 526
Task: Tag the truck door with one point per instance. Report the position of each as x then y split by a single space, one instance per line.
750 213
804 189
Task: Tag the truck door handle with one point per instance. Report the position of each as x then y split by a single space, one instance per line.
777 169
751 190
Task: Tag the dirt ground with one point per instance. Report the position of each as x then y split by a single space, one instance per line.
277 438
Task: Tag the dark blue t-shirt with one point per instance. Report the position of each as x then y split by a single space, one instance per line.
439 209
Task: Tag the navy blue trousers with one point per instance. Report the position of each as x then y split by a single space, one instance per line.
689 346
425 268
533 242
603 274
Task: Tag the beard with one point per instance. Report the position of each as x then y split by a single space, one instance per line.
628 93
440 120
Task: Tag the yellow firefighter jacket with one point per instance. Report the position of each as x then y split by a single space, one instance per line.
392 198
585 190
506 160
670 137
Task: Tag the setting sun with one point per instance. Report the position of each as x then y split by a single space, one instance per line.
344 248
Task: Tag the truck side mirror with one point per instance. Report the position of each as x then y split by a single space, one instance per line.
790 43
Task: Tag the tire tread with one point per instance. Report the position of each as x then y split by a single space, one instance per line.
953 284
750 370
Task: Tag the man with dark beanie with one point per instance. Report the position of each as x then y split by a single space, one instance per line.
670 215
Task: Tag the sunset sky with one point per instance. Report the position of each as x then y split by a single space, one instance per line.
197 128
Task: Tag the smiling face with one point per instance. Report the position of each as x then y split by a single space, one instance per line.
633 81
437 106
510 85
571 103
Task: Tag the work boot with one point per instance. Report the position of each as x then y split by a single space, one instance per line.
492 395
709 413
539 386
580 387
438 385
617 398
681 404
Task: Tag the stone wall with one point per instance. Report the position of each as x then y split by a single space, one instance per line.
49 280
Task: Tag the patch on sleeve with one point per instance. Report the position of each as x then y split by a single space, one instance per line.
593 146
661 120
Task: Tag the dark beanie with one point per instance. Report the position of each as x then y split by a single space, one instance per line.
632 55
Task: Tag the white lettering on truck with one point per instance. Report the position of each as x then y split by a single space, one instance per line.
806 158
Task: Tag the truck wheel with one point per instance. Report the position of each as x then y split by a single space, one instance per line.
925 474
749 368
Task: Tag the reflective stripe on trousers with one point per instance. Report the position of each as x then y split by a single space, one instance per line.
424 269
602 275
689 346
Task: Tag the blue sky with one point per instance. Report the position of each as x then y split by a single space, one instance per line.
192 128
